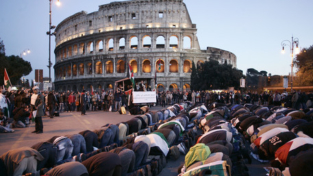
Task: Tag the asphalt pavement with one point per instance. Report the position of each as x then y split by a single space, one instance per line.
73 122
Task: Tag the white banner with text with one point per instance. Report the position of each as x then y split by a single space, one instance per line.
144 97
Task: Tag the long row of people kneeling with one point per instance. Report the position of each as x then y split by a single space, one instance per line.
139 146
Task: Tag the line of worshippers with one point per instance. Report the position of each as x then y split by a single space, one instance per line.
136 147
277 135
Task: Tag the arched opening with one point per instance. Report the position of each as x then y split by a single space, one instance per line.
81 69
70 53
64 54
120 67
68 88
159 66
74 88
81 88
69 71
133 42
133 64
187 66
146 42
75 50
99 67
74 70
109 67
109 87
99 46
186 87
160 87
122 44
173 66
146 66
99 87
90 47
160 42
187 42
173 87
89 68
173 42
110 45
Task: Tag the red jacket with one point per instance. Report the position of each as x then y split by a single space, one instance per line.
71 98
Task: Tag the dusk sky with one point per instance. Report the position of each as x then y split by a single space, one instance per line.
251 29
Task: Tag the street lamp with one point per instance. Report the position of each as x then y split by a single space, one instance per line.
24 53
50 34
294 41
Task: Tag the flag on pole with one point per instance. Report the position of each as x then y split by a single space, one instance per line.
92 91
7 82
131 75
159 64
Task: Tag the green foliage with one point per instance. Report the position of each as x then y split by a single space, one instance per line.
304 61
212 75
16 68
2 48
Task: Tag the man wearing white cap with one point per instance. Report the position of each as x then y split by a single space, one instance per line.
37 102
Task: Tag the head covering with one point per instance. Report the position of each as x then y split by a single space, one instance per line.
36 87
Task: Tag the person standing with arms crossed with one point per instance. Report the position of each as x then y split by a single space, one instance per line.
37 101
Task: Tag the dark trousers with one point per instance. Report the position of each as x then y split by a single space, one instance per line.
83 109
51 110
38 124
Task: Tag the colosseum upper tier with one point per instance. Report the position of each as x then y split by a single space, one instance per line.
153 36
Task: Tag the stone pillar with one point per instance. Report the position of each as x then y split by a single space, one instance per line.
85 47
127 43
114 66
103 66
71 70
139 47
167 42
180 42
193 41
153 42
94 47
93 67
115 45
139 67
77 70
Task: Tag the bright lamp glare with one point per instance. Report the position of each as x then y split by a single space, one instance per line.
24 53
297 50
28 51
58 3
283 51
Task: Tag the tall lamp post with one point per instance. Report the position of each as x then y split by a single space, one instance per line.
50 34
294 41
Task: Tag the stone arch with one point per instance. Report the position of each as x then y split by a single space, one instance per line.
64 53
173 41
120 66
146 66
186 87
81 88
187 66
121 43
187 42
146 41
173 66
89 68
70 53
160 41
81 48
74 70
159 66
69 71
110 44
75 50
74 88
99 46
173 87
90 47
98 67
81 69
134 65
109 67
133 42
160 87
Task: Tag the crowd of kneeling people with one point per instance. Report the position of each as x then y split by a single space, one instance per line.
214 140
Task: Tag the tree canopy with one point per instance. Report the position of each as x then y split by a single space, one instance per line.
212 75
304 62
16 66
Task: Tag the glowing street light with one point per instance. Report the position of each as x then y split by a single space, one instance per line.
297 51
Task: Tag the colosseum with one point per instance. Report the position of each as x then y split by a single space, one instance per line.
95 49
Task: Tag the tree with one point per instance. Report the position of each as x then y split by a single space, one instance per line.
15 66
213 75
304 62
194 77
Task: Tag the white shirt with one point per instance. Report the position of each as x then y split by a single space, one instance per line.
33 99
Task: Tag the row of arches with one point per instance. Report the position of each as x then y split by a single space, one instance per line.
120 43
109 86
100 67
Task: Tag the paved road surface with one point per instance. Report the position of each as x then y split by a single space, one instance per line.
73 122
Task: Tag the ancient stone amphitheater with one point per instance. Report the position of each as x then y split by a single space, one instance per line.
95 49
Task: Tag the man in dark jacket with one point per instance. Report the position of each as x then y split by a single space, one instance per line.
20 116
37 102
83 102
51 103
